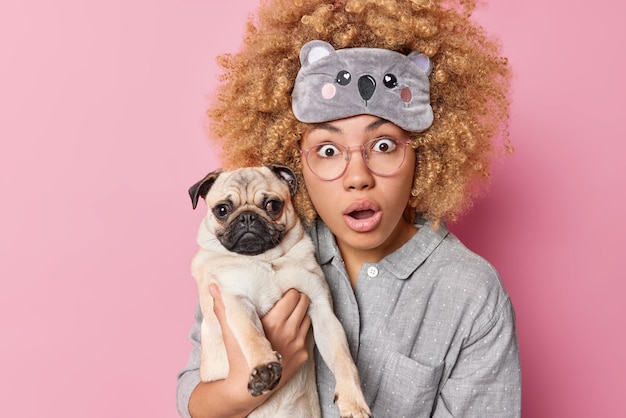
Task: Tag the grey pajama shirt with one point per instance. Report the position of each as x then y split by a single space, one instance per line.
430 327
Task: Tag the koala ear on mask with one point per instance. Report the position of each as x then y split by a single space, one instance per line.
286 174
201 188
422 61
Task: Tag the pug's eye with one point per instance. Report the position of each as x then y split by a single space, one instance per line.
222 211
273 206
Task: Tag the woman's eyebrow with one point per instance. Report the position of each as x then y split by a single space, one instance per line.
326 127
374 125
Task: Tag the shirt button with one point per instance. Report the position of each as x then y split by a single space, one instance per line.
372 271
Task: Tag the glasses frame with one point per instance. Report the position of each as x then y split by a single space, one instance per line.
348 156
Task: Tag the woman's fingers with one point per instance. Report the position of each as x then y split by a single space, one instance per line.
218 302
288 313
286 326
236 360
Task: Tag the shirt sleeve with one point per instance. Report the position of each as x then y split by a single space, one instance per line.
486 380
189 377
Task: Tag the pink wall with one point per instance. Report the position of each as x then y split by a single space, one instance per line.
101 113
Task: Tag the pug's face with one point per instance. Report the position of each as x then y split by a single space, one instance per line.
249 210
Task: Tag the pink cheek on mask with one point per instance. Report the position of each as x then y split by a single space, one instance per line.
328 91
405 95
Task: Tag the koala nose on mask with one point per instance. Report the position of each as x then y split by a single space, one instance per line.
367 86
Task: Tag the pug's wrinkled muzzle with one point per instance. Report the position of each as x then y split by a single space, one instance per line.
250 234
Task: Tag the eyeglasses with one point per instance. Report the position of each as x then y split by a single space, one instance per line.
383 156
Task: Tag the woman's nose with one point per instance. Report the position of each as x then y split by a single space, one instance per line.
357 175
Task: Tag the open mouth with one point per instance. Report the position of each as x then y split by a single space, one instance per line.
362 214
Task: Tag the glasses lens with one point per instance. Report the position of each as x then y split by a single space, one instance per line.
384 156
327 160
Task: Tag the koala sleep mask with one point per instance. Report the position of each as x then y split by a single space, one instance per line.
335 84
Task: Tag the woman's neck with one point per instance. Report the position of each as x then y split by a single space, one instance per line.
354 258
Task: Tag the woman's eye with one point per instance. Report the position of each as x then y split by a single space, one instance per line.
384 145
222 211
327 151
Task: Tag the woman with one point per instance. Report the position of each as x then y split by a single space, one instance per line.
430 327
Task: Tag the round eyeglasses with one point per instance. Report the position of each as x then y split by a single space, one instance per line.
383 156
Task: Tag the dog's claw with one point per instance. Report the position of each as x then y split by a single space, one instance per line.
264 378
357 414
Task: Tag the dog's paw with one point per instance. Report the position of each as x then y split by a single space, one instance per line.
361 413
357 414
264 378
356 408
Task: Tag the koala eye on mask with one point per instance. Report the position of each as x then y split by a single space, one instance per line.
335 84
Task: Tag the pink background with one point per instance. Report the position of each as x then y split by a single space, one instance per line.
101 128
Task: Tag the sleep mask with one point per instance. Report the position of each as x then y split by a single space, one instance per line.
336 84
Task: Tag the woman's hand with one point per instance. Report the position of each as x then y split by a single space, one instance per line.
286 326
228 397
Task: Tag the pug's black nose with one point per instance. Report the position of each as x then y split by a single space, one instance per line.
367 86
247 218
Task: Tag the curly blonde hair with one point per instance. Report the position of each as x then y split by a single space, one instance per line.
252 120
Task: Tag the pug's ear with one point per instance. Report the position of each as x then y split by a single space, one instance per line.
201 188
286 174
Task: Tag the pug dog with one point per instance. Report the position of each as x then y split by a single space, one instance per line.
254 247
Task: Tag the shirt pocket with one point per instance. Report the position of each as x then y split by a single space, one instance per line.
407 388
